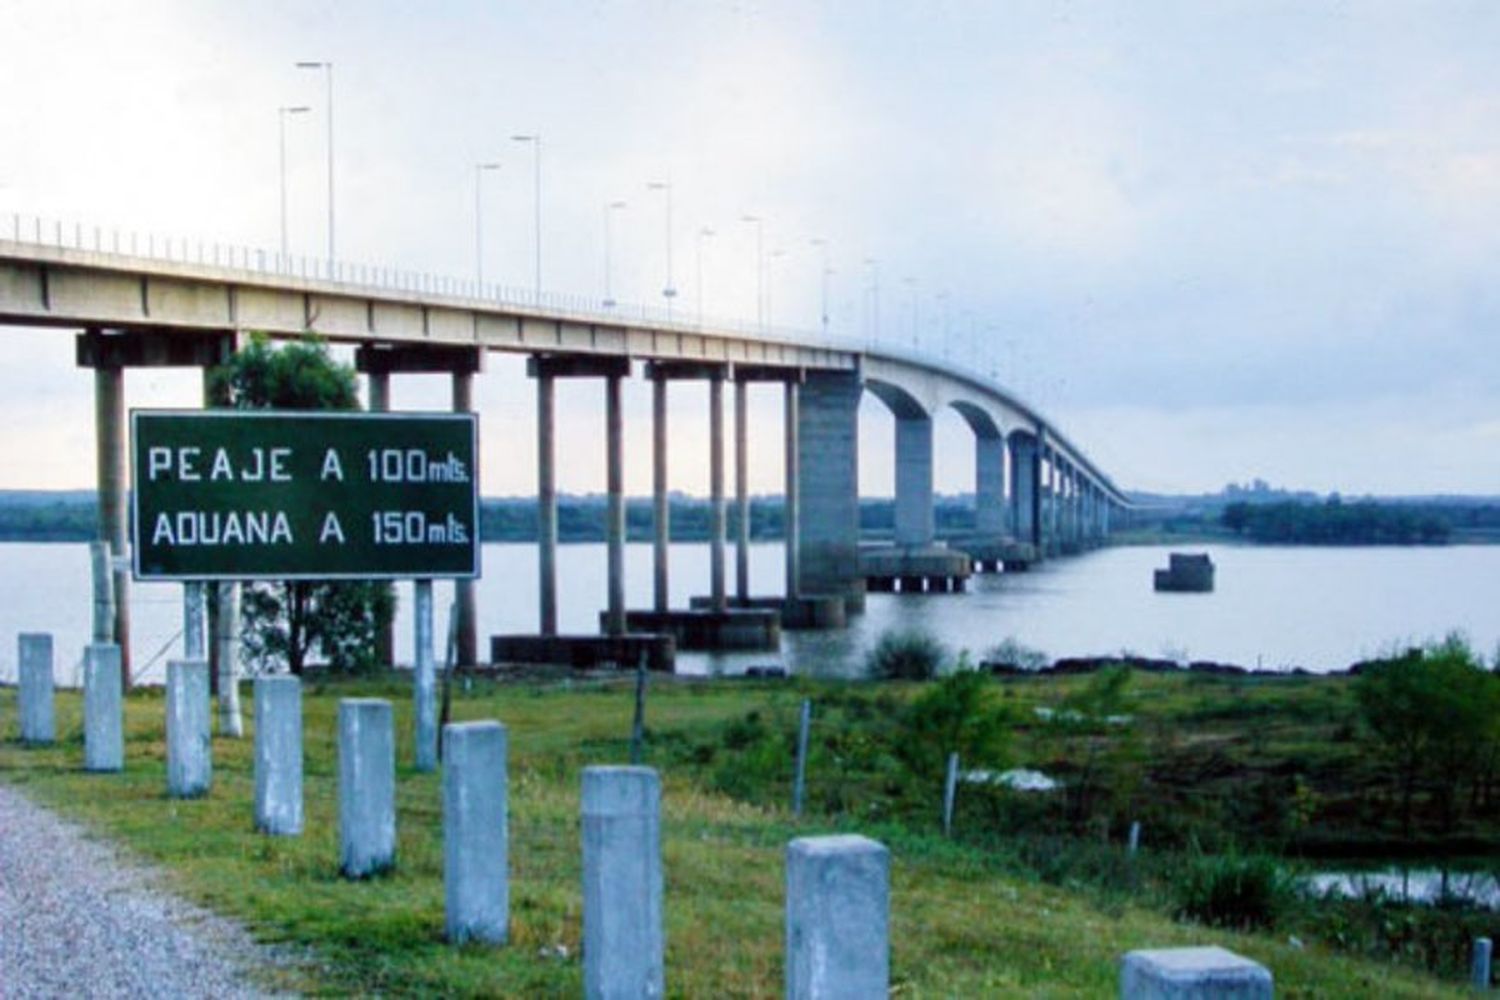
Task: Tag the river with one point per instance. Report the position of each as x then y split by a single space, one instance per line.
1274 607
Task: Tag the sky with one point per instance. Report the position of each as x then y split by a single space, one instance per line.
1212 242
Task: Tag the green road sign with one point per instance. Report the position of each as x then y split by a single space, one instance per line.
237 495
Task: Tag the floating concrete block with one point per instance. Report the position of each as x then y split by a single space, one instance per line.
278 755
103 720
476 875
838 903
1192 974
36 687
623 938
367 786
189 743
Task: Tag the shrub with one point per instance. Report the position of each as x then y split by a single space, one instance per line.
957 715
1239 892
912 655
1011 652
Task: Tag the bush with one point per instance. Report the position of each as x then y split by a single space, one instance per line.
1011 652
1239 892
907 656
957 715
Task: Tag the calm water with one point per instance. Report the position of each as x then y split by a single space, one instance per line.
1277 607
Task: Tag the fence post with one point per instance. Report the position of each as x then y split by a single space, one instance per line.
799 785
35 687
476 876
189 744
278 755
367 786
623 941
950 792
838 903
103 724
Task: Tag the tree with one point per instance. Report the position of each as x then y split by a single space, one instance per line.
1431 717
293 621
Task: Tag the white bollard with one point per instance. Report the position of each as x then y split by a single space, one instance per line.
1479 971
103 720
189 742
476 860
35 687
367 786
623 936
278 755
1193 974
838 903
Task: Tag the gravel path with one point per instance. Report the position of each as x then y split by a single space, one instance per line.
76 920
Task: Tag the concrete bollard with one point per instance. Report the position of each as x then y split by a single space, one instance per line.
623 937
103 721
838 902
189 743
1479 970
35 683
278 755
367 786
1193 974
476 874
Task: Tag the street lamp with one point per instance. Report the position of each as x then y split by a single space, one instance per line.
281 114
703 234
610 208
479 171
536 140
760 270
668 292
822 244
327 68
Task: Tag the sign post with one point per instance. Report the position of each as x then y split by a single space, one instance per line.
272 495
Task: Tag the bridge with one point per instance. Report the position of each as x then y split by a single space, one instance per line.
152 302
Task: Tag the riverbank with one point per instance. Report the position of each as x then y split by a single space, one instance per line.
967 920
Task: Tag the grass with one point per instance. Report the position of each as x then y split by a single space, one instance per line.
960 925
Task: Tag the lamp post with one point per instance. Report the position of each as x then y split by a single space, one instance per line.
281 114
327 68
610 208
668 292
479 172
873 319
760 270
703 234
824 274
535 139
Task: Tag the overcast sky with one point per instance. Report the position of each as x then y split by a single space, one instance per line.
1211 241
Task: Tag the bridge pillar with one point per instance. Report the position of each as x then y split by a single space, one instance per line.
661 508
716 490
989 485
460 364
1024 488
545 369
109 354
828 485
741 491
914 518
791 522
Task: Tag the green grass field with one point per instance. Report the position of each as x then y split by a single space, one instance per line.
960 926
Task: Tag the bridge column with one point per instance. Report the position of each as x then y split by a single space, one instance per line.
109 354
716 490
989 485
828 485
661 508
791 526
742 491
615 513
545 369
914 518
1024 487
460 364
